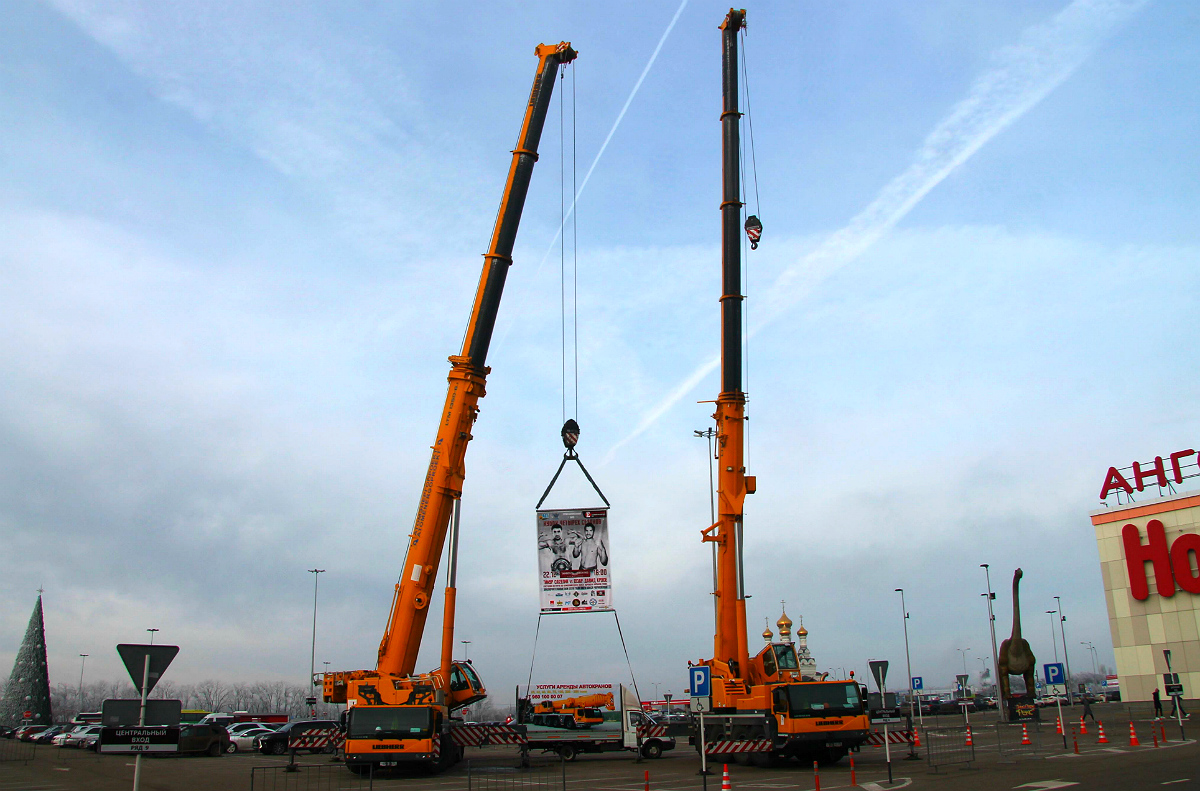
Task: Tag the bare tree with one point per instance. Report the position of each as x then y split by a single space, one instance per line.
211 695
165 690
239 697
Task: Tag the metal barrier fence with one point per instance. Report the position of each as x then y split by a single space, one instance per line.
1042 739
538 776
13 750
946 745
309 777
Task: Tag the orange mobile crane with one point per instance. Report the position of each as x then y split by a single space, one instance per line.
761 707
394 715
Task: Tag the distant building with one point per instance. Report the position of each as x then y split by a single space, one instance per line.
808 665
1148 554
27 696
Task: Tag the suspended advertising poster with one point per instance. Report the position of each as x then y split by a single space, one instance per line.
573 560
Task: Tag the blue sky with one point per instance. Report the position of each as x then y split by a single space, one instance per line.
238 244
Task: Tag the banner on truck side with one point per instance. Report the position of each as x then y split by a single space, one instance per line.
552 692
573 560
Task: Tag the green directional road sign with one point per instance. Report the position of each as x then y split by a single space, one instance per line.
134 656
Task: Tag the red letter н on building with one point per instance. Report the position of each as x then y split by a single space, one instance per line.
1155 551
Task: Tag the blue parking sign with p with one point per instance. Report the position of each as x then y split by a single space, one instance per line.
700 679
1055 673
918 682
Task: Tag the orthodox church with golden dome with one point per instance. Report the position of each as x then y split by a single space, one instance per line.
808 665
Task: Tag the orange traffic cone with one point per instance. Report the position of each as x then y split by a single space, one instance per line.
725 779
970 741
1102 739
1058 726
1133 739
1025 735
1082 727
916 738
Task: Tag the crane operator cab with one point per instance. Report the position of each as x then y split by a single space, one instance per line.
465 686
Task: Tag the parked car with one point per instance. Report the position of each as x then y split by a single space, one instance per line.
89 740
59 738
78 736
210 739
242 727
6 732
46 736
26 732
246 740
955 706
276 743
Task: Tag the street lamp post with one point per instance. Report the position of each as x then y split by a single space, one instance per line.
991 597
1062 621
466 649
1092 649
83 662
151 631
908 661
1053 633
312 661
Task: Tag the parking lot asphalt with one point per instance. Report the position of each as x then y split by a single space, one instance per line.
997 761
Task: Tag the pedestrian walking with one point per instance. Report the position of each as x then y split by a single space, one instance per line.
1157 703
1087 708
1177 706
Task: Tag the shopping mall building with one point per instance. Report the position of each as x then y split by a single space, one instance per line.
1149 542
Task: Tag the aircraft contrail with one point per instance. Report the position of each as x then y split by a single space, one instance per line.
1045 56
603 146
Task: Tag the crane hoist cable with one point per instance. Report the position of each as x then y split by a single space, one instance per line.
562 248
570 429
753 224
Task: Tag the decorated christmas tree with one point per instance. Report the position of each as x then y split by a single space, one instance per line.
27 696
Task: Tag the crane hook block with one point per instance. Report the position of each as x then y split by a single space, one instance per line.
753 230
570 434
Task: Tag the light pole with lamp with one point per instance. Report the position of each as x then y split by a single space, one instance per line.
466 649
1091 648
83 662
1062 621
908 662
312 661
151 631
1053 634
991 597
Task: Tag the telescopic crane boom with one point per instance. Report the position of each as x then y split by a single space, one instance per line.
390 704
764 705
